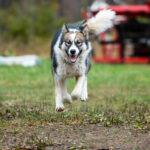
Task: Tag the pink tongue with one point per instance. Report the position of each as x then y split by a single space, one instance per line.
73 58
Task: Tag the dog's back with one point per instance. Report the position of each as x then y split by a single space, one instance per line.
53 55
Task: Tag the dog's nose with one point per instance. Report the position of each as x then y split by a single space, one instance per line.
73 51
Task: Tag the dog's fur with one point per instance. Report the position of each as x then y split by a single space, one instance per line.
70 56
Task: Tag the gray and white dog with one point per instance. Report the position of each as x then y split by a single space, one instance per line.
70 56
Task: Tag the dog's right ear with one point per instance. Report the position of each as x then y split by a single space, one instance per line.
64 29
84 30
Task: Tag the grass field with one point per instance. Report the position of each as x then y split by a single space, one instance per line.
116 115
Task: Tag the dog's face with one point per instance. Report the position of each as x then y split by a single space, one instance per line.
74 42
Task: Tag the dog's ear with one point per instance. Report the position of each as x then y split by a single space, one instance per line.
64 29
84 30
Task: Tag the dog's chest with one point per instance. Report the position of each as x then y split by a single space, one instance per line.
71 70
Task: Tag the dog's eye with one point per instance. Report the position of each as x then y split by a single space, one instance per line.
79 43
68 43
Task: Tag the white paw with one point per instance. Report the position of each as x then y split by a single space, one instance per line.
75 95
84 96
67 98
60 108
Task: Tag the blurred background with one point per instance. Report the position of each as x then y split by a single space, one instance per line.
27 26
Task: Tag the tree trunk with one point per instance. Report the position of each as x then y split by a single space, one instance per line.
70 9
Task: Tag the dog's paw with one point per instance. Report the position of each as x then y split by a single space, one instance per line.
75 96
60 108
84 97
67 99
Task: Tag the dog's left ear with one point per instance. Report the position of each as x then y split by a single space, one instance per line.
84 30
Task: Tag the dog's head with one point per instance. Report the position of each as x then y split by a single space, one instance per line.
74 42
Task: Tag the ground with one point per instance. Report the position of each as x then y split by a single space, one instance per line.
116 115
93 137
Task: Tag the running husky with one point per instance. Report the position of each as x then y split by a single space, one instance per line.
70 56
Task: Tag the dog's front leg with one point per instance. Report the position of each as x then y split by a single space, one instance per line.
76 93
84 94
66 97
58 94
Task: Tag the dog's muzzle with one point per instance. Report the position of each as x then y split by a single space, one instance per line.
72 56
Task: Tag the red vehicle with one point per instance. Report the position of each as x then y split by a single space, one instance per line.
134 28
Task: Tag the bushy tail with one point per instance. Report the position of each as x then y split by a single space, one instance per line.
100 22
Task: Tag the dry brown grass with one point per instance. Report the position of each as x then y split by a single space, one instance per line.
40 47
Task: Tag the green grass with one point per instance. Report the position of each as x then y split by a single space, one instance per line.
118 95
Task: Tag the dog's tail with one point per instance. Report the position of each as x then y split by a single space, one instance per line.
100 22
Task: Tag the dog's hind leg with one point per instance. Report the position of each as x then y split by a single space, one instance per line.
76 93
66 97
58 94
84 93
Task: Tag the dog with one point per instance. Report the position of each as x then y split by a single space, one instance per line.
70 56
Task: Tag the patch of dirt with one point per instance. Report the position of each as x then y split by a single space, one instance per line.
91 137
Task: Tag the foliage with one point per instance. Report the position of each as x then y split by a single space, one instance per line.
22 22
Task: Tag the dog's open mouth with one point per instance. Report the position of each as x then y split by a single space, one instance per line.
73 58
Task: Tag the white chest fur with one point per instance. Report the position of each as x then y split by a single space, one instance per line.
66 70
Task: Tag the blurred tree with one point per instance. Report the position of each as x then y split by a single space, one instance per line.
4 3
70 9
29 18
